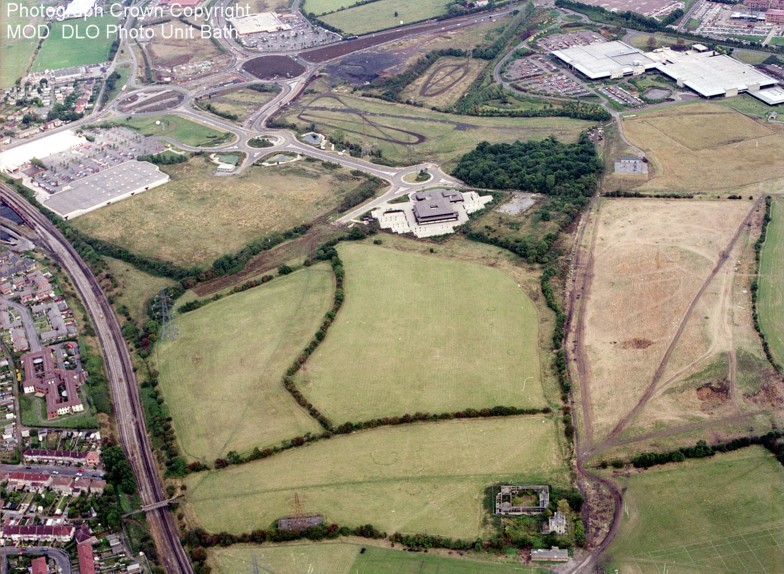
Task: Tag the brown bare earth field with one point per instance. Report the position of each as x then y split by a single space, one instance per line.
242 103
651 258
706 148
410 49
718 370
175 51
444 82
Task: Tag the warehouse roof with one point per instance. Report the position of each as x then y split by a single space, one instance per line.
605 59
711 74
771 96
40 148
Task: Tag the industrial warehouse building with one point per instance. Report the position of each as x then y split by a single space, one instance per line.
703 71
263 22
709 74
606 60
105 187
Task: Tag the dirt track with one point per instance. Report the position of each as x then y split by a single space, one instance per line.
452 74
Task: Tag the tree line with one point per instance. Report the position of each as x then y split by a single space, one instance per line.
755 286
771 441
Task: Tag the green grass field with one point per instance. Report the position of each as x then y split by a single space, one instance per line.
725 514
379 15
17 53
409 135
425 477
33 413
180 129
348 558
320 7
228 212
424 333
135 287
124 71
770 297
221 376
59 51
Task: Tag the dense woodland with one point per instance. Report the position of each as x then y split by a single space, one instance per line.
548 167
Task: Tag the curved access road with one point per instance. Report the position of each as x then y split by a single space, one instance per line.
122 381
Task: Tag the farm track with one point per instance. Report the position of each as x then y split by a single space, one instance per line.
582 274
122 381
578 295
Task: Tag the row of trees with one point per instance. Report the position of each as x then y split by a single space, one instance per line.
755 287
771 441
165 158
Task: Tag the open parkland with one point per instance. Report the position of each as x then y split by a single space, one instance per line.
316 363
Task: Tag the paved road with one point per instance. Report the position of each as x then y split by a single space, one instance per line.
51 469
27 321
59 556
122 381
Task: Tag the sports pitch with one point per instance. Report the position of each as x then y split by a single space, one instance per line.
770 299
179 129
423 477
720 515
380 15
350 558
221 375
61 51
17 52
424 333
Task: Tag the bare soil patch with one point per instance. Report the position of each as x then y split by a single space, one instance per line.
273 67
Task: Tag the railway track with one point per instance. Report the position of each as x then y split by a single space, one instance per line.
122 381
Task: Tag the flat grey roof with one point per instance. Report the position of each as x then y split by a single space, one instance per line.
605 59
438 193
436 208
97 190
771 96
713 75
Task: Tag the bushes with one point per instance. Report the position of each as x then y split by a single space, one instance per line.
755 287
200 538
164 158
619 193
235 262
703 450
362 193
